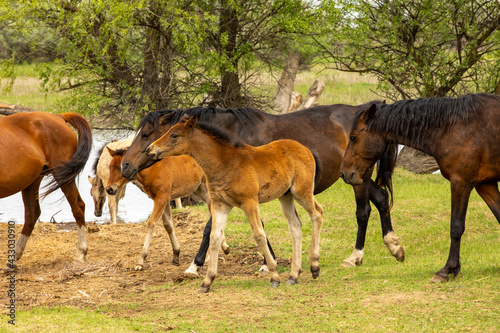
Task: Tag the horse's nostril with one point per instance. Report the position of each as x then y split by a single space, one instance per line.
342 175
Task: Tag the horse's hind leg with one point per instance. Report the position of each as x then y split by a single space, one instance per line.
316 214
295 228
78 209
31 215
489 193
169 227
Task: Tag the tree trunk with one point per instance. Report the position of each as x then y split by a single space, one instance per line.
285 84
313 95
416 161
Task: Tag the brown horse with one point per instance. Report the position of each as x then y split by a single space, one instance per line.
323 129
244 176
36 144
462 134
171 178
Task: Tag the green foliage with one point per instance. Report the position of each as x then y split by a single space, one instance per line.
418 48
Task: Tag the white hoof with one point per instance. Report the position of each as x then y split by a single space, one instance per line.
139 268
193 269
264 270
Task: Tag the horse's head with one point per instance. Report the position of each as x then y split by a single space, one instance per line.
98 194
365 148
116 180
151 127
174 142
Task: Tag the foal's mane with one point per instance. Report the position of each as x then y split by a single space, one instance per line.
243 116
218 134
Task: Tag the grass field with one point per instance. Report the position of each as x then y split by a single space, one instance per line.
382 295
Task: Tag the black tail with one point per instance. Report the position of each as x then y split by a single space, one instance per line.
65 173
385 168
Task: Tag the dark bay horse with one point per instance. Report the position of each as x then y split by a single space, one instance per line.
323 129
462 134
244 176
36 144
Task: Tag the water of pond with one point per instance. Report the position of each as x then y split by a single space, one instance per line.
134 207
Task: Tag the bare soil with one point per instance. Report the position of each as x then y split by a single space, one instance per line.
47 275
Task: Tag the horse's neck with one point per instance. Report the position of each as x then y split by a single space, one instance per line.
211 155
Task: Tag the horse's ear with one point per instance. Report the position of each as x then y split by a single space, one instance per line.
111 151
191 122
368 113
184 117
91 180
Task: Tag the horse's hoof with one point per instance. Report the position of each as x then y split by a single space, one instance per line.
275 284
400 256
291 281
346 263
438 279
192 270
204 290
264 270
175 262
227 250
139 268
315 273
8 269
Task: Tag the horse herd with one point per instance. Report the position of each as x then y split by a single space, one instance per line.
242 157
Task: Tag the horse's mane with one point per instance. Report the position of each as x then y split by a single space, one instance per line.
219 134
99 153
243 116
408 118
417 120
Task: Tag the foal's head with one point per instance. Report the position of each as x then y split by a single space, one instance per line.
115 175
175 141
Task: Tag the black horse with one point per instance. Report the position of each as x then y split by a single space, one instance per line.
462 134
323 129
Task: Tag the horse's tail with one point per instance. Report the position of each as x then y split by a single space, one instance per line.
385 168
67 172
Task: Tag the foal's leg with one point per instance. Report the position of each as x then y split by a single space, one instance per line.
219 210
489 193
460 192
251 210
159 207
316 214
295 228
78 209
168 223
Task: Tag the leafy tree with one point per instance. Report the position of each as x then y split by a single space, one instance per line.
123 58
417 48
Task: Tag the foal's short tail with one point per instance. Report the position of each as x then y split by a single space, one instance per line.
67 172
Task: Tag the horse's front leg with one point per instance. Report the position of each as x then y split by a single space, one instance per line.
380 199
460 193
219 210
363 210
158 208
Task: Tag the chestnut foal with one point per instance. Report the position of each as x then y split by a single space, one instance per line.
244 176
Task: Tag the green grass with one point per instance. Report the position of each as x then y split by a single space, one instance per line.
382 295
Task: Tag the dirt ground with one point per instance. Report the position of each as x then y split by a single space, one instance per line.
47 275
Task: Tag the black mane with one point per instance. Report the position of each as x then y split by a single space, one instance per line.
417 119
219 134
243 116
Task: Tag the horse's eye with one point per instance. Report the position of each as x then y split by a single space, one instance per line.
173 136
353 138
